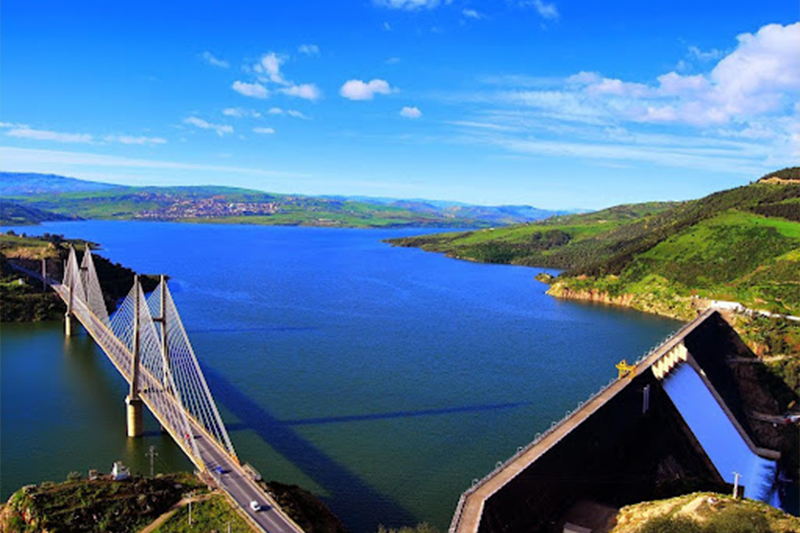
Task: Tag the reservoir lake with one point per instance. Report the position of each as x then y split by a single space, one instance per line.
385 380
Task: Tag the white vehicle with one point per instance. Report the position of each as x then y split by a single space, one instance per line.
254 505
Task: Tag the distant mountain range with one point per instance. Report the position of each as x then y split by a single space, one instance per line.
32 198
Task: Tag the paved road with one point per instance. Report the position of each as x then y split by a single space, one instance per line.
234 480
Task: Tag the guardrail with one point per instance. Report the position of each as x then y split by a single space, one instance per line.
642 363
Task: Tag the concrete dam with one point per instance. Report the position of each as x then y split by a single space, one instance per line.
676 422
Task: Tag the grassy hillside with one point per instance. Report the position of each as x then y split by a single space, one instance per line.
703 513
15 214
94 506
90 200
742 244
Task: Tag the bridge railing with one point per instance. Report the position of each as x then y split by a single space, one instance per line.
669 342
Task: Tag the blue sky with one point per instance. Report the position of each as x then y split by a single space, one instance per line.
557 104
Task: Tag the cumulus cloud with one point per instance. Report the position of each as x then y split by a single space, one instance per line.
25 132
290 112
547 11
306 91
253 90
471 14
408 5
359 90
269 68
240 112
743 109
264 131
410 112
209 58
308 49
219 129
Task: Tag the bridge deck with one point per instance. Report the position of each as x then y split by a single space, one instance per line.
210 455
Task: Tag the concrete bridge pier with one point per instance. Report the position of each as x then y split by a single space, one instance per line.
134 407
68 325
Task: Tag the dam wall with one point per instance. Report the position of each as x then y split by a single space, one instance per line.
628 443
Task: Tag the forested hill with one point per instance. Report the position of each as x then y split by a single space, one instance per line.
53 196
741 244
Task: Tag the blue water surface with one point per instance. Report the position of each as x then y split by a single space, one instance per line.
383 379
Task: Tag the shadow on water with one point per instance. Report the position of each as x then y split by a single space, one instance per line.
404 414
360 506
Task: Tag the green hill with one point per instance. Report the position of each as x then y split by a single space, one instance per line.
12 213
92 200
741 244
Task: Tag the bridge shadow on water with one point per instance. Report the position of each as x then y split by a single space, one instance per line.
356 502
361 506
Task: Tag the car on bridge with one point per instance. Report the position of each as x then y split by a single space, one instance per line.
255 506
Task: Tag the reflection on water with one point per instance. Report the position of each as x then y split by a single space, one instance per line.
383 379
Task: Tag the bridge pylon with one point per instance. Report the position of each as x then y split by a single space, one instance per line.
134 404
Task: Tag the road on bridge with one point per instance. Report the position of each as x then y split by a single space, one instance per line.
234 480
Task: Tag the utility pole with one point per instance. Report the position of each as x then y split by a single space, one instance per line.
152 454
736 476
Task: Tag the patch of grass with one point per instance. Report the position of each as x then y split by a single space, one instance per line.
99 506
211 514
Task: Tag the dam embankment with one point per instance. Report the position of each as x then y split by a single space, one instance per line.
651 434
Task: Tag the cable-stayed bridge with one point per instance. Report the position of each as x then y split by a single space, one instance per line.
147 343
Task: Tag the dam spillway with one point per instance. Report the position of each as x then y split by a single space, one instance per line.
631 442
720 438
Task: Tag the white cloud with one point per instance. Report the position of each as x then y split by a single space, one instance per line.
306 91
740 115
471 14
25 132
696 53
130 139
409 5
209 58
240 112
264 131
30 160
308 49
219 129
269 67
547 11
358 90
290 112
410 112
253 90
392 61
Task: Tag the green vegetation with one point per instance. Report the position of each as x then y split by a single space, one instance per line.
213 513
55 196
22 298
742 244
704 513
307 511
94 506
15 214
419 528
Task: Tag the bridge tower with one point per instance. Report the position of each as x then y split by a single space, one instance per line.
133 402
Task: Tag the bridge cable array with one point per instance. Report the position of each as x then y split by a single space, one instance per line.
168 378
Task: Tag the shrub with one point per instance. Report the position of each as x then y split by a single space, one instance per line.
671 524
